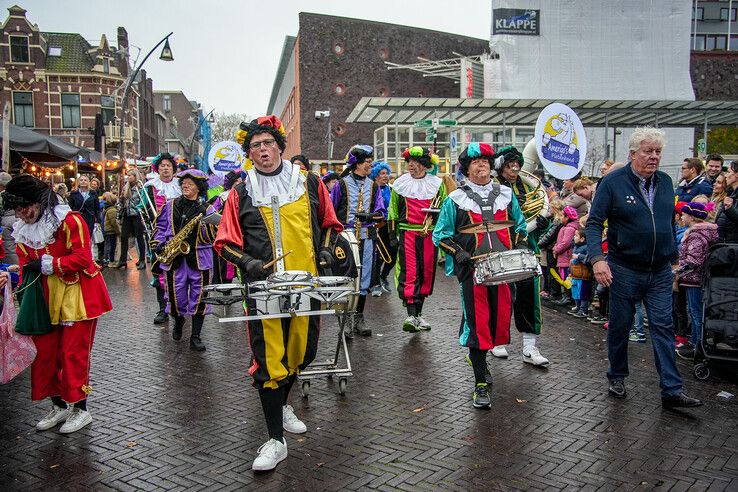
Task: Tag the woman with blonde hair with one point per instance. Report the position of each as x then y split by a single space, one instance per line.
131 223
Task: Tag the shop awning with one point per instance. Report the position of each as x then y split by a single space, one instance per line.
38 147
524 112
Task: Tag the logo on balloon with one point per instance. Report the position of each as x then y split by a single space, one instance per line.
560 141
225 157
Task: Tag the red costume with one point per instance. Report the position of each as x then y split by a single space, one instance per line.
76 295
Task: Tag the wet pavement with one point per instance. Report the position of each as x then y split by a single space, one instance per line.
167 418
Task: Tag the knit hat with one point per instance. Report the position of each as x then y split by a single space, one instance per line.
475 150
571 212
697 210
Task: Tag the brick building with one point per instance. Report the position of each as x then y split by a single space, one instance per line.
57 83
177 116
334 61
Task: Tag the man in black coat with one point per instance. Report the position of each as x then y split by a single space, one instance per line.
86 202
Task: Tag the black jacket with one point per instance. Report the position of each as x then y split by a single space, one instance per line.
90 208
638 237
727 220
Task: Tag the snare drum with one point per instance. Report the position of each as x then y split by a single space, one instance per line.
504 267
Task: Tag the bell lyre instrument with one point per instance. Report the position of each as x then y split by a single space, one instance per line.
433 208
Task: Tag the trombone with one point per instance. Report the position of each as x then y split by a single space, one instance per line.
428 220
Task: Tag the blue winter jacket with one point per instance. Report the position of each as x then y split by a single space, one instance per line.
698 186
637 237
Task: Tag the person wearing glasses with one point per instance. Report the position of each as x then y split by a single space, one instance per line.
693 181
281 347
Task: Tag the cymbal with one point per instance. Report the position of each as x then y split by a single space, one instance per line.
486 226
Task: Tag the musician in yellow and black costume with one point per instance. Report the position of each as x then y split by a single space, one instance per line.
280 347
186 273
527 292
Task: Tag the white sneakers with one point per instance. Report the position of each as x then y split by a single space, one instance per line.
75 418
269 455
78 418
411 324
499 351
533 356
55 416
423 324
290 422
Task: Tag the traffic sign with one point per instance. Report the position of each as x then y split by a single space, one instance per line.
454 141
447 122
430 137
423 123
701 146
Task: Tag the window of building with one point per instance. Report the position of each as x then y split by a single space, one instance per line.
167 103
733 43
720 42
107 108
19 49
698 13
23 108
699 43
106 65
54 51
724 15
70 111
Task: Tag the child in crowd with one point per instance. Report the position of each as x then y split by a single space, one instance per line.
581 275
679 293
563 249
111 227
546 242
696 242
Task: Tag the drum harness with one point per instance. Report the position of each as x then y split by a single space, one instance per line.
486 206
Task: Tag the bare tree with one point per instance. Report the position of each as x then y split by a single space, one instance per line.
595 154
226 125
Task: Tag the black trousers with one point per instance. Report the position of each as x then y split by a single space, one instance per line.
132 226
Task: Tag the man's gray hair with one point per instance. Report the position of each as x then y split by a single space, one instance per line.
646 134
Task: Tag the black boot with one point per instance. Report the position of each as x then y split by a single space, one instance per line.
161 318
195 342
360 326
177 330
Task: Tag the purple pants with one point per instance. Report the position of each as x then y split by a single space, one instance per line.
185 290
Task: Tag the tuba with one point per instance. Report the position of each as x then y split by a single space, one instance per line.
536 201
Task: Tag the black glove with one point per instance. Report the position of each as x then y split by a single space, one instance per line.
522 244
255 269
541 222
32 266
325 259
394 243
157 249
364 216
462 257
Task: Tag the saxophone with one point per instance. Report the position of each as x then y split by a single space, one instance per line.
178 244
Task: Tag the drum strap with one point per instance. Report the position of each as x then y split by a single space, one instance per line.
486 206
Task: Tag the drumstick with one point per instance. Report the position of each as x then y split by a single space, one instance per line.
275 260
479 257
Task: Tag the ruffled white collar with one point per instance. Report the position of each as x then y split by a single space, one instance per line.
288 185
424 188
42 232
169 190
461 199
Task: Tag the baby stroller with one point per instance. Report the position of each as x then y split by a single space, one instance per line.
719 342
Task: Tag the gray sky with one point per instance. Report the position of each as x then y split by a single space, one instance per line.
226 51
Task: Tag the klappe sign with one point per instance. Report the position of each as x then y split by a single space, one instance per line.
516 21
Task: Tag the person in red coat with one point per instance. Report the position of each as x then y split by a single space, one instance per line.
54 241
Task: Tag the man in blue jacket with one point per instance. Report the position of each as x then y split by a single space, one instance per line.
638 203
693 182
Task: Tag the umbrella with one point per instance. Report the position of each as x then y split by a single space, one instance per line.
44 148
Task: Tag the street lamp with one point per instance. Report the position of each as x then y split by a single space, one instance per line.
210 119
326 115
166 55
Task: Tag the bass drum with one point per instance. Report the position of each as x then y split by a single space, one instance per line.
347 263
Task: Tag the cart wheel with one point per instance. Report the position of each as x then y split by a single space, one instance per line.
701 371
305 388
342 386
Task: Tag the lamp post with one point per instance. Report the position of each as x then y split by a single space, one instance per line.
320 115
166 55
210 118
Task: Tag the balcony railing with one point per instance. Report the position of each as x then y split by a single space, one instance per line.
112 134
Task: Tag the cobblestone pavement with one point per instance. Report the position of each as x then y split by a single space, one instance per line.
167 418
